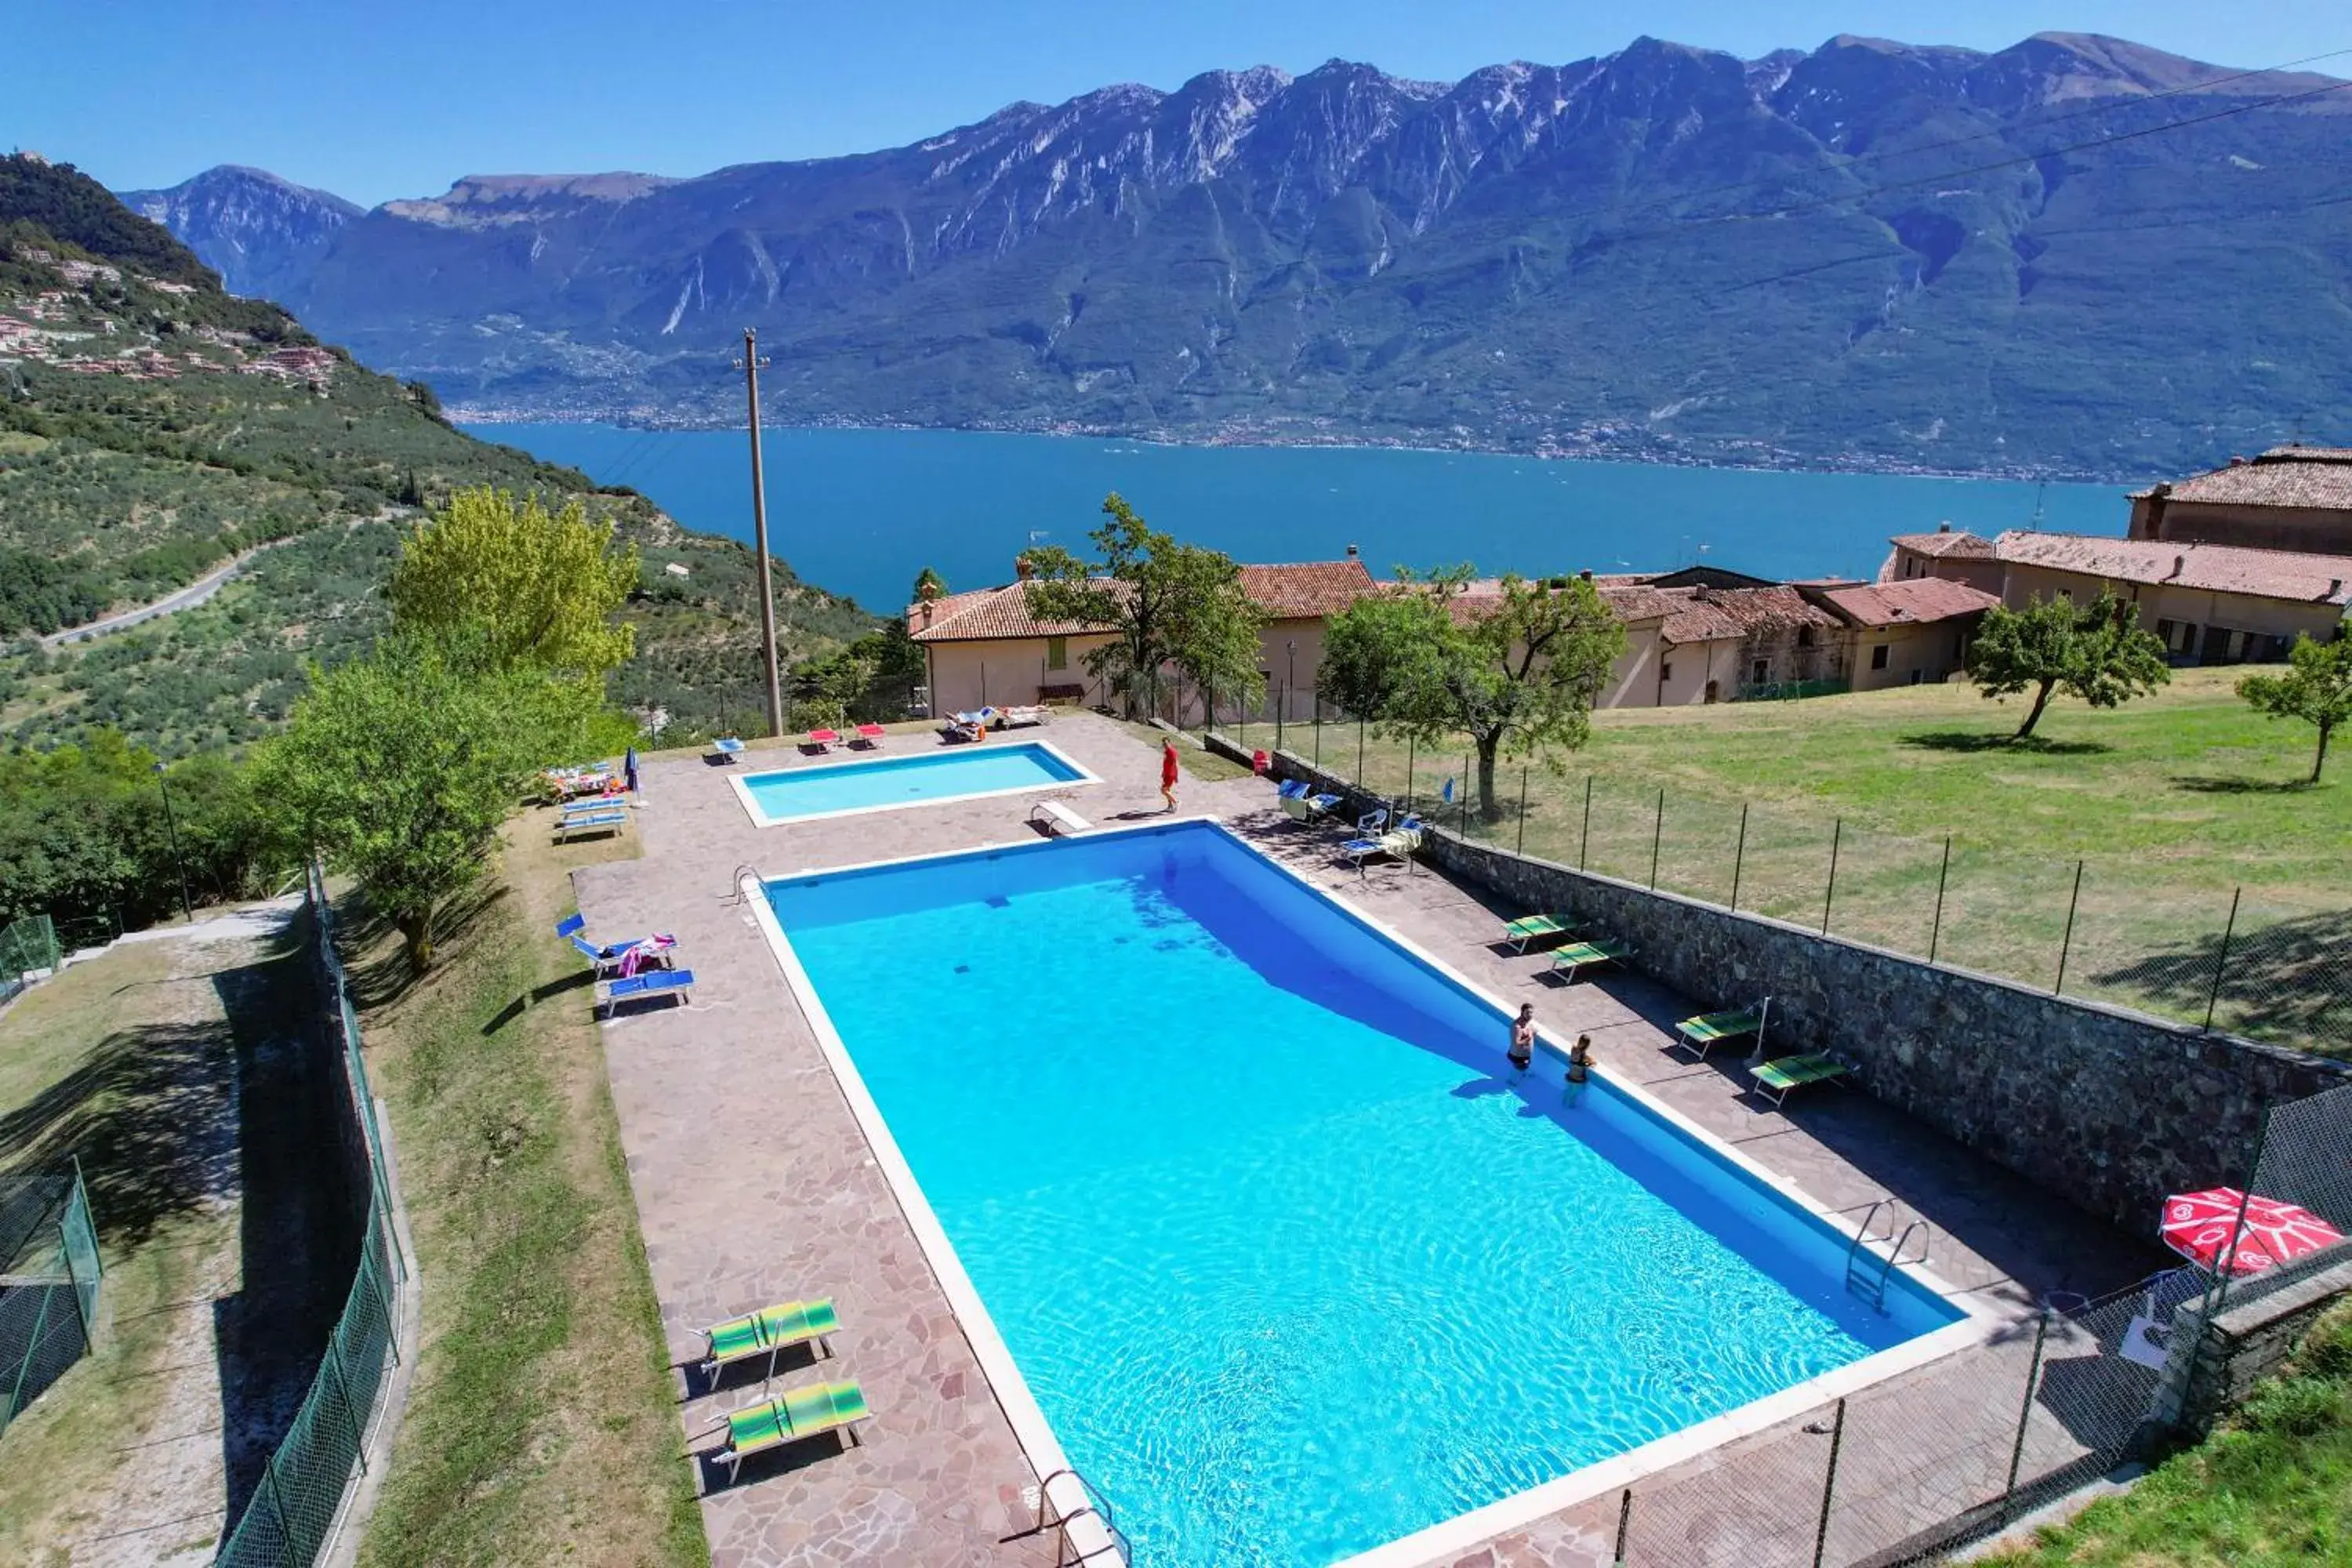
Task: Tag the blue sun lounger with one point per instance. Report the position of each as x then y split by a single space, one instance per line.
605 956
647 982
614 819
726 748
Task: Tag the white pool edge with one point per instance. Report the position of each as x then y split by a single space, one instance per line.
1448 1538
742 785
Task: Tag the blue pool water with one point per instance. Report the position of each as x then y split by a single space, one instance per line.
1290 1267
991 767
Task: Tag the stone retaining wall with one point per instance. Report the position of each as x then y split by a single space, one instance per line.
2108 1108
2246 1344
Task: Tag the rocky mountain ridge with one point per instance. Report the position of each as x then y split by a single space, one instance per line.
1872 253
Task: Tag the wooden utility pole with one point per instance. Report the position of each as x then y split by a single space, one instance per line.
751 363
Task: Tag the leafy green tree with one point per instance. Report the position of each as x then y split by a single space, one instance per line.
399 767
1165 603
526 585
2317 689
1517 672
2095 651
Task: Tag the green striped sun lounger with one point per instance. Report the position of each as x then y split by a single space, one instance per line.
768 1334
1707 1031
1534 929
1578 957
1776 1079
803 1412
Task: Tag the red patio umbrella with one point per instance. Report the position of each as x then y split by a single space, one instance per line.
2199 1226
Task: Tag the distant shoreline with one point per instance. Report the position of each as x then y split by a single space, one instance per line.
486 417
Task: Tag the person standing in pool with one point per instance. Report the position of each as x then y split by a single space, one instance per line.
1168 772
1523 1038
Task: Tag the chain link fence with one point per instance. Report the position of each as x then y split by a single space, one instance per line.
1907 1469
29 950
296 1510
49 1276
2304 1157
2272 964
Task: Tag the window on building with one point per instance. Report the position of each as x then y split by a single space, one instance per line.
1804 636
1057 653
1762 671
1878 657
1665 669
2164 634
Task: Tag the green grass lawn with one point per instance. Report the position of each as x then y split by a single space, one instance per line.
2171 804
136 1063
543 1426
2273 1489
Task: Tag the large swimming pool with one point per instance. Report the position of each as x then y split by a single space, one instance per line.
924 778
1289 1265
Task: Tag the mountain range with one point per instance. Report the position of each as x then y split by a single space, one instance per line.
2075 256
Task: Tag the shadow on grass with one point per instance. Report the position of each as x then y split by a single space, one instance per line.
1969 741
376 962
2200 783
149 1115
2289 982
303 1192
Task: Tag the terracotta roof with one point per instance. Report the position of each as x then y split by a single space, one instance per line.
2220 568
1945 543
1698 621
1306 587
1911 601
1636 602
1282 591
1766 609
2284 476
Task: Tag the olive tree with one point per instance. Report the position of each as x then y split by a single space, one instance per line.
1517 670
2095 651
2317 689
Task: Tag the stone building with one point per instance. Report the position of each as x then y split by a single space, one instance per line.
2296 498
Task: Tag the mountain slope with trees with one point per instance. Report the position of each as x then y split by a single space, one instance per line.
152 427
2076 255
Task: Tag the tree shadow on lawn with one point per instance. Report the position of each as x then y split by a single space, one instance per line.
374 959
2202 783
2290 979
148 1112
1970 740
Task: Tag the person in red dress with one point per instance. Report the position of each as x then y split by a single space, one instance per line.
1168 772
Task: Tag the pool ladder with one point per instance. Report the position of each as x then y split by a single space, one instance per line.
1097 1507
734 894
1866 1272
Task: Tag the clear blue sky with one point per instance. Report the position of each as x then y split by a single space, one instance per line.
397 100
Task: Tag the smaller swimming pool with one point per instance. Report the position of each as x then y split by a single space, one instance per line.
887 783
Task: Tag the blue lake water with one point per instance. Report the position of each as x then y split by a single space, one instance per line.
881 784
1289 1264
861 511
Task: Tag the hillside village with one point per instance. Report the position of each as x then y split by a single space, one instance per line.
53 326
2225 567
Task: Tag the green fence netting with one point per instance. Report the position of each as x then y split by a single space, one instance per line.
28 948
292 1515
48 1284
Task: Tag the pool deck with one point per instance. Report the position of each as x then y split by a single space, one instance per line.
753 1183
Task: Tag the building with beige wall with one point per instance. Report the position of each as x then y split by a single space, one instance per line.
2210 603
1952 555
1905 633
2292 499
985 648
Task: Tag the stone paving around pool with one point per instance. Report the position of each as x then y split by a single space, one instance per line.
753 1183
